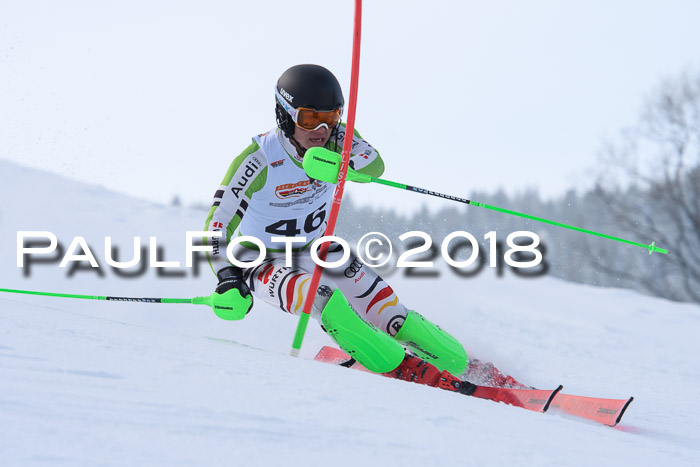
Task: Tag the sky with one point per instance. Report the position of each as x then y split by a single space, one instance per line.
154 99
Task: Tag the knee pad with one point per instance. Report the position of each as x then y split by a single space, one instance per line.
374 349
433 344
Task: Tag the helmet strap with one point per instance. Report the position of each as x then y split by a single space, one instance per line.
284 121
300 149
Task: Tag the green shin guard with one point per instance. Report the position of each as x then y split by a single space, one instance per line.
433 344
372 348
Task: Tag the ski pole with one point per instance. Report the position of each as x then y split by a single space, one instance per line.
322 164
227 305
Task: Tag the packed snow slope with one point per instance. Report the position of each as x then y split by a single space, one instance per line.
86 382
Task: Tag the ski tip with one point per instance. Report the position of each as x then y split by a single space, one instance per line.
624 408
551 398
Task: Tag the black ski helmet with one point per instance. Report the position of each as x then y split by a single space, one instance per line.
310 86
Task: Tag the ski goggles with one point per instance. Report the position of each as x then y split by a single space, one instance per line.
310 119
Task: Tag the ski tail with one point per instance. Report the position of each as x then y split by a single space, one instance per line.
331 355
606 411
335 356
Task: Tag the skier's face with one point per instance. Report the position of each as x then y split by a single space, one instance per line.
313 138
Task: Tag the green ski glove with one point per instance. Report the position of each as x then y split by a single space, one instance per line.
233 299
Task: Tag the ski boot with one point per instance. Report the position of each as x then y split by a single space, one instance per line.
432 343
419 371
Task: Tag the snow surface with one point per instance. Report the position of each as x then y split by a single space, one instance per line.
86 382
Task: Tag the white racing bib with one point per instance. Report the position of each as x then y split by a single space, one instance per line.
289 204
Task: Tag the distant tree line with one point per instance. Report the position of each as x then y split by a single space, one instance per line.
648 190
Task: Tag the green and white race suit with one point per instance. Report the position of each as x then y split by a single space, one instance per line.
266 194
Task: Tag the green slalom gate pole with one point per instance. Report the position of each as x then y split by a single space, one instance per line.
322 164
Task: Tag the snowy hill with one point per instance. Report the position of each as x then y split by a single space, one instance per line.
87 382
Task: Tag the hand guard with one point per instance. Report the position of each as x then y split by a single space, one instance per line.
233 300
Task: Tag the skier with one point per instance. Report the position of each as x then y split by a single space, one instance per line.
266 194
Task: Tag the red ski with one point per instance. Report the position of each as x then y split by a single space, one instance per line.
537 400
606 411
